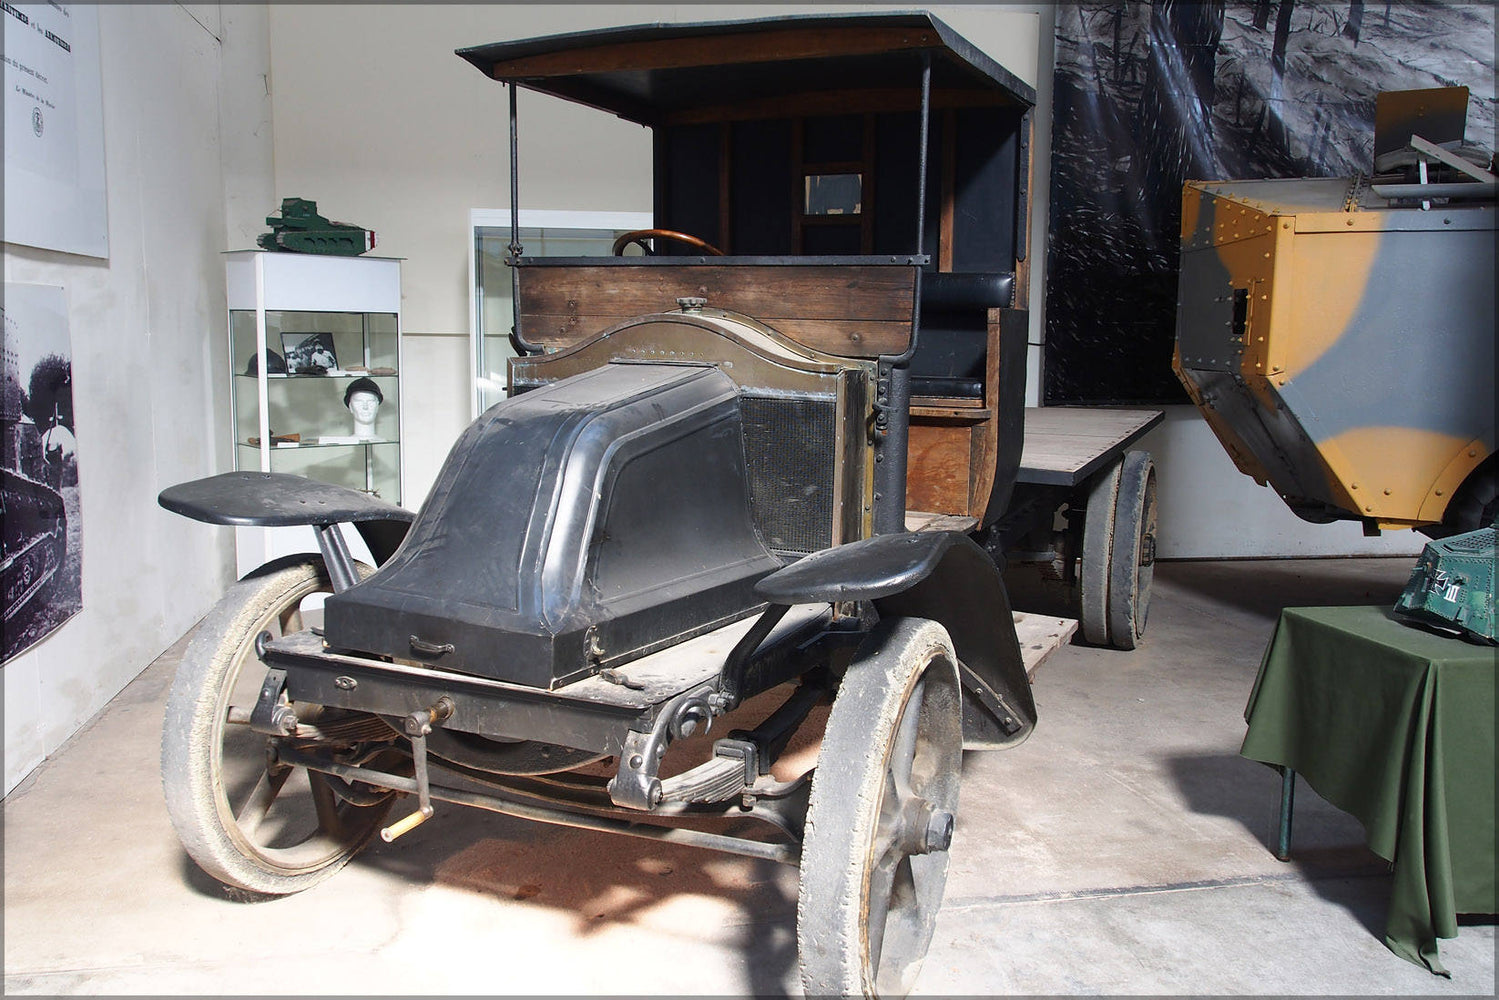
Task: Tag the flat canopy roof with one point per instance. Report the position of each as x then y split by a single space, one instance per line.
657 74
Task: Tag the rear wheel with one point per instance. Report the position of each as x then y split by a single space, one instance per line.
1132 560
884 795
269 829
1098 547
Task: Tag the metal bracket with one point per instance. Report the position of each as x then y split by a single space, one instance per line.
269 716
1452 160
742 750
735 668
995 702
636 785
336 556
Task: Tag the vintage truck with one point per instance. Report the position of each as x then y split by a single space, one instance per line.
692 511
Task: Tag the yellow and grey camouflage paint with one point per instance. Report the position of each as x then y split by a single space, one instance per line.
1341 350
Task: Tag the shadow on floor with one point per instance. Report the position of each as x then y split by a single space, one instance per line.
624 878
1328 846
1292 583
1281 583
1325 841
599 880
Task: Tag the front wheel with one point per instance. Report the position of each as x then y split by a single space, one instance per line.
269 829
880 820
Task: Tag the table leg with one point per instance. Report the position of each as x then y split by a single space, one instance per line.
1287 803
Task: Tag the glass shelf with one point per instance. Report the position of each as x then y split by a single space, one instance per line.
293 445
339 374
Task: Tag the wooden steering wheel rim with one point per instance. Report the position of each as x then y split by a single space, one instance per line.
637 235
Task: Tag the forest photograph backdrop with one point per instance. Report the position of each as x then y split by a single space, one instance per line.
1149 95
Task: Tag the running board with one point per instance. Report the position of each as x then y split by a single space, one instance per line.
1040 636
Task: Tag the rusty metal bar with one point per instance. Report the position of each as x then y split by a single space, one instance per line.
784 853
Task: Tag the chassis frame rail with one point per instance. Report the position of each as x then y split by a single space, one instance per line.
554 813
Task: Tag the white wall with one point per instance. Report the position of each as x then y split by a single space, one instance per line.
187 152
1209 509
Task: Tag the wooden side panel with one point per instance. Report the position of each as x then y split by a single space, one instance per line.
986 435
954 449
938 460
854 311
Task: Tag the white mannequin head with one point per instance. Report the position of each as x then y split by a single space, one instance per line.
363 398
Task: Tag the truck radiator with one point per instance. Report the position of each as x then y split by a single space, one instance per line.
790 448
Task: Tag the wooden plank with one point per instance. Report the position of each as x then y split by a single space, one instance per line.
852 311
716 50
1066 444
1040 636
921 520
986 437
850 338
853 339
943 408
812 292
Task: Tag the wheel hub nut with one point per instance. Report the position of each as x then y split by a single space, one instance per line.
925 828
939 829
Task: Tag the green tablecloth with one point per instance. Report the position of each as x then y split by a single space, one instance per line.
1394 725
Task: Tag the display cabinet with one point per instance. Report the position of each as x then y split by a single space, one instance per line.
316 352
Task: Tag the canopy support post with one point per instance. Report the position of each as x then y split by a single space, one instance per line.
517 337
893 385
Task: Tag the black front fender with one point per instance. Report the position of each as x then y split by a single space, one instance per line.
276 499
944 576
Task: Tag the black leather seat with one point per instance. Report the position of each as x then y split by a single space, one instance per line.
953 343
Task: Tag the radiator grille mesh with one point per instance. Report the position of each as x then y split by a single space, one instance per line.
789 446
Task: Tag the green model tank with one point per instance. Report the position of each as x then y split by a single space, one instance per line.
1452 586
299 228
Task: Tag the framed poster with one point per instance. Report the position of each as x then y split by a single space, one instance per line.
54 129
41 558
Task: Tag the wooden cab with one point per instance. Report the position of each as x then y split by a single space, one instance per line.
793 148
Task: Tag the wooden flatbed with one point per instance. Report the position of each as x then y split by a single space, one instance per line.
1064 445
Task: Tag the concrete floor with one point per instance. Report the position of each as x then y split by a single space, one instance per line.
1122 849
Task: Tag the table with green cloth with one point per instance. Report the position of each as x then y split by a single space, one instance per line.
1394 725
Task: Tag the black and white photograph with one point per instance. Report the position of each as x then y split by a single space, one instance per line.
308 353
1150 95
42 546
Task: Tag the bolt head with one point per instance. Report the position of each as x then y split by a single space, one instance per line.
939 830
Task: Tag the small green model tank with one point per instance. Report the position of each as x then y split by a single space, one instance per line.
1452 586
299 228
